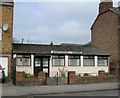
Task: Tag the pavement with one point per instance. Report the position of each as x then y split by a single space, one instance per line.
11 90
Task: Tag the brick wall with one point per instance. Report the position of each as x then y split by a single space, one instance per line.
6 16
73 79
40 80
105 6
104 35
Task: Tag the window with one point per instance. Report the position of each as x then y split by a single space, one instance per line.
102 61
45 62
37 62
74 60
58 60
89 61
23 60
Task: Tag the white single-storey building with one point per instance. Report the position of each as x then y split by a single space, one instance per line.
33 58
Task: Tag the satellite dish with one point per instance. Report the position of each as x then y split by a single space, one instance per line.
5 27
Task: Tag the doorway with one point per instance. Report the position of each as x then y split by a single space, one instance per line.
41 64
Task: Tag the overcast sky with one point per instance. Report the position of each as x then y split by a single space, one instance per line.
60 22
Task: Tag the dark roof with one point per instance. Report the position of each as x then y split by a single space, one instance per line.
46 49
116 10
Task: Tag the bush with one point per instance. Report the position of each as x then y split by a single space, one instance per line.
28 76
86 74
107 74
79 75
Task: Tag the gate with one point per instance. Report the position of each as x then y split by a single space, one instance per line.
56 80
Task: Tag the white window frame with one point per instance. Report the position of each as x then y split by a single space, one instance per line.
58 58
74 58
22 60
102 59
88 59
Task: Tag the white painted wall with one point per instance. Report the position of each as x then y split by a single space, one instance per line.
4 63
54 69
26 69
93 70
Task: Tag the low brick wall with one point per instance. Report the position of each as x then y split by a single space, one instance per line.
73 79
35 81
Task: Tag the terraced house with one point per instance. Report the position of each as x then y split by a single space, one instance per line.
51 59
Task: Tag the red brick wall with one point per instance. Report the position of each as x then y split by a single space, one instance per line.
40 80
105 34
104 6
6 16
73 79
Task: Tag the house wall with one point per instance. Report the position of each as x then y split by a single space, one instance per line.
6 16
105 34
54 70
119 39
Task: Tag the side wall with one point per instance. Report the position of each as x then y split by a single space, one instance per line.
6 16
105 34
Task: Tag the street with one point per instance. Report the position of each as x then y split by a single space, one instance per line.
110 93
95 89
89 93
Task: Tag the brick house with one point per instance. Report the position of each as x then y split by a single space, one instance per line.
6 30
105 32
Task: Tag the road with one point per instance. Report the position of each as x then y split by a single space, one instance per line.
90 93
11 90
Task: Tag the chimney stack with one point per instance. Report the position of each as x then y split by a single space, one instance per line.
105 5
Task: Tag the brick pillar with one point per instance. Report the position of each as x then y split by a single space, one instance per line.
42 77
19 76
71 77
101 72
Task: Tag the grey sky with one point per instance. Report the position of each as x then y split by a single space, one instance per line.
43 22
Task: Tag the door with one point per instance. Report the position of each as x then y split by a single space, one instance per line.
41 64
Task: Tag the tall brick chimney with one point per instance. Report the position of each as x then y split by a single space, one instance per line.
105 5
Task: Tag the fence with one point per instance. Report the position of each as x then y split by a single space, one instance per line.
57 79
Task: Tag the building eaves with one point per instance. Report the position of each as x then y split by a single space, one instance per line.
63 49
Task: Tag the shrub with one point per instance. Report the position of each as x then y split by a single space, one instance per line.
79 75
86 74
28 76
107 74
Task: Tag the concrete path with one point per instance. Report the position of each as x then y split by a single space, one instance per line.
10 90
